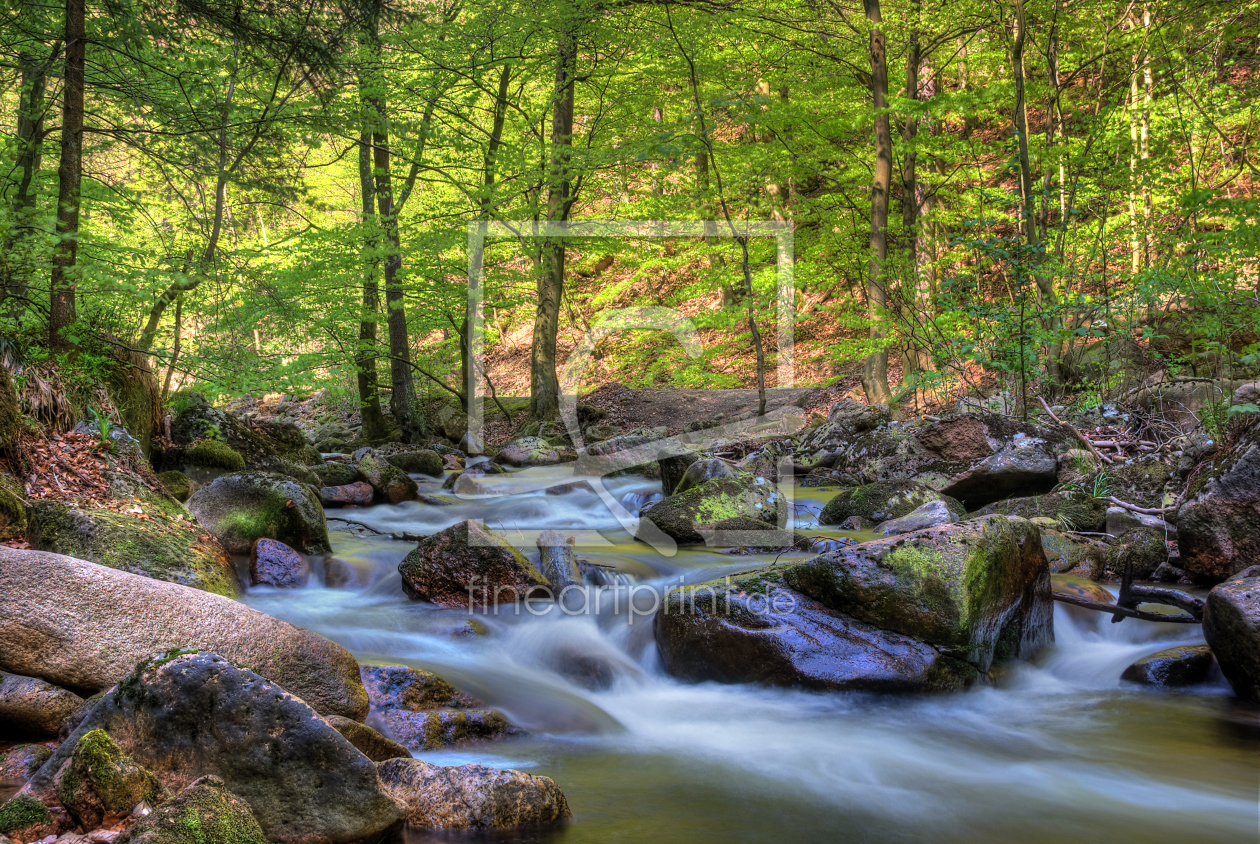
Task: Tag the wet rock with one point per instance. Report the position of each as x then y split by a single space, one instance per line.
881 501
177 484
471 796
572 486
674 463
336 474
273 563
98 783
239 509
1181 666
33 708
388 481
187 715
1077 587
1166 572
702 471
927 515
1142 549
682 515
162 547
58 611
205 812
439 728
20 763
426 462
528 451
1252 571
1072 511
367 740
357 494
1218 526
556 560
589 670
979 590
411 689
468 565
1231 626
753 629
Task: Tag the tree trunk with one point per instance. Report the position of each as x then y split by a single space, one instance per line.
875 369
544 402
1148 94
30 136
374 427
69 175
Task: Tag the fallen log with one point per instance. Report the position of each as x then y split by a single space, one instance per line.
1084 439
1125 612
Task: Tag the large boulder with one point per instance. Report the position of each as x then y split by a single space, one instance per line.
978 591
1141 550
288 440
701 472
468 565
34 708
240 509
205 812
471 796
152 538
881 501
682 516
1072 510
854 417
673 463
196 421
1185 665
186 715
390 483
1218 526
1231 626
529 451
421 711
927 515
337 474
752 629
84 627
423 462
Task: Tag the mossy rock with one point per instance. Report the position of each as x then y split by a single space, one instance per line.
205 812
162 547
336 474
682 515
10 411
239 509
22 813
1064 553
1141 482
197 421
289 441
177 484
978 590
1072 511
103 782
883 500
425 462
1140 548
13 520
214 454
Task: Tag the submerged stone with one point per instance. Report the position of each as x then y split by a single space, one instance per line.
1181 666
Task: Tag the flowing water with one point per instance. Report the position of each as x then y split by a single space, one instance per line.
1057 750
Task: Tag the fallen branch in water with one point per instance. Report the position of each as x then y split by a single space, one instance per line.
1130 596
1119 611
353 522
407 537
1146 511
1104 458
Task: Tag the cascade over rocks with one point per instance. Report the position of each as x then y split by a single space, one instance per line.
1218 526
468 565
33 708
471 796
240 509
682 515
1231 626
978 590
186 715
753 629
56 612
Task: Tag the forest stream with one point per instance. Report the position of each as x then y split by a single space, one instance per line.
1055 750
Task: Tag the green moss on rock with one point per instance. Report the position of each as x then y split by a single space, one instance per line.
177 484
10 411
214 454
13 521
21 812
203 813
101 780
883 500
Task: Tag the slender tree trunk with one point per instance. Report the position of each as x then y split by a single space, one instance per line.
175 348
374 427
1135 229
875 369
544 400
69 176
1148 94
30 136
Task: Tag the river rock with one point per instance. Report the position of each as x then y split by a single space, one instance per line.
1142 549
423 462
753 629
682 515
390 483
205 812
854 417
556 561
702 471
1065 553
273 563
1231 626
33 708
1218 526
98 783
1180 666
1073 511
367 740
881 501
633 452
440 728
336 474
199 422
411 689
357 494
56 611
528 451
187 715
927 515
673 463
471 796
979 590
239 509
468 565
